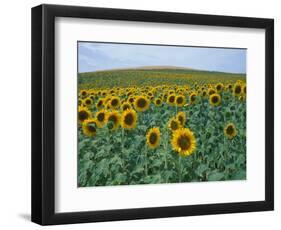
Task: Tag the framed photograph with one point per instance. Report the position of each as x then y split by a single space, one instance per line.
142 114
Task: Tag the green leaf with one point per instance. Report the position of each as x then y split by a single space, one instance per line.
215 176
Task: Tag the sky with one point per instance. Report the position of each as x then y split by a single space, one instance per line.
103 56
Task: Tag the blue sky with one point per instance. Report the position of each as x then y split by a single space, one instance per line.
102 56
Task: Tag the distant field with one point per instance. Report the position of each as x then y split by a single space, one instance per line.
153 77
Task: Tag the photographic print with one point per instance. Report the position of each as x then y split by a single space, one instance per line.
151 114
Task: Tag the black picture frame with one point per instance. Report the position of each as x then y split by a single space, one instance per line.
43 114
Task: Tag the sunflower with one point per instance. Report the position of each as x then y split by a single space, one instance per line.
89 127
131 100
101 118
126 105
100 103
129 119
115 102
192 98
237 89
158 102
83 114
83 93
180 100
211 91
229 87
141 103
153 138
230 130
215 99
219 87
174 124
88 101
80 102
181 118
184 142
171 99
113 119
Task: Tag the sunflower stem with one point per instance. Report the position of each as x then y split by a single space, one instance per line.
145 161
122 146
179 167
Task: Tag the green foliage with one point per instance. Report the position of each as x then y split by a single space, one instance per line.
121 157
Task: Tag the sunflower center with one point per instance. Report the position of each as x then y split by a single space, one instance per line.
152 138
179 100
174 125
215 99
238 89
180 118
83 115
171 99
101 116
183 142
88 101
114 102
211 92
100 103
219 87
158 102
91 127
230 130
193 97
113 119
129 119
141 103
126 107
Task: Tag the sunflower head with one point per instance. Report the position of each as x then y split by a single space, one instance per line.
171 99
184 142
100 103
83 114
141 103
84 93
215 99
237 89
174 124
230 130
89 127
192 98
180 100
101 118
115 102
211 91
153 138
181 117
129 119
88 101
229 87
113 119
219 87
158 102
125 106
131 100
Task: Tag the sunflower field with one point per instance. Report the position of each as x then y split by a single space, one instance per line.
160 126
